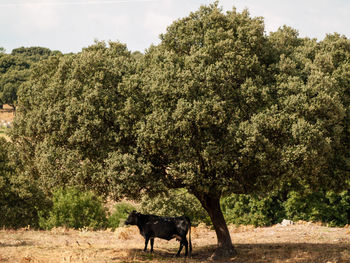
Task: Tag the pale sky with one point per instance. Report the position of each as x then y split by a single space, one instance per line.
70 25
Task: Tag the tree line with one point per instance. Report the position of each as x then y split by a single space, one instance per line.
15 69
219 107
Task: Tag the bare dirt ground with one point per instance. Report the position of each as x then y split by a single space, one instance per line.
303 242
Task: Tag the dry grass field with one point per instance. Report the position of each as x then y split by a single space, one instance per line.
302 242
6 115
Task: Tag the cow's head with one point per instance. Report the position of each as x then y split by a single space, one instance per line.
133 218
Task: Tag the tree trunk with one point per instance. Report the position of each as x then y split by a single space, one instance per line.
212 205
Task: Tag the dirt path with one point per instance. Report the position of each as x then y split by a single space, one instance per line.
296 243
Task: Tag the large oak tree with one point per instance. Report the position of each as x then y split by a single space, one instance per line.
230 110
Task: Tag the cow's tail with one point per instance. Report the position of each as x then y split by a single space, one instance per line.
189 235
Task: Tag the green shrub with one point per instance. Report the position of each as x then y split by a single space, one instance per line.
175 203
73 208
327 207
121 212
249 210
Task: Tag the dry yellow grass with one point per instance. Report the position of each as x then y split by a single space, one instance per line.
302 242
6 115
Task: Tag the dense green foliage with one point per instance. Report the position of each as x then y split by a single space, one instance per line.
69 118
15 70
6 194
34 54
73 208
247 210
322 206
119 215
20 198
328 207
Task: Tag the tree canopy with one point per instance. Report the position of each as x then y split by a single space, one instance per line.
218 107
14 70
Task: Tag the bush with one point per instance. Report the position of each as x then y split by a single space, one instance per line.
121 212
321 206
327 207
249 210
75 209
175 203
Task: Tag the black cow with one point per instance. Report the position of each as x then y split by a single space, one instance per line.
152 226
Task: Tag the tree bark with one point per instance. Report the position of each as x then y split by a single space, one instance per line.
212 205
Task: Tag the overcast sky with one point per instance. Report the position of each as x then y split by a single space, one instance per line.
70 25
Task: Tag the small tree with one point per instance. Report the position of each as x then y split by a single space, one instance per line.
69 116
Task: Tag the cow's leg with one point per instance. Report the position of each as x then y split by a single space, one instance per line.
152 242
183 242
146 243
180 248
186 247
